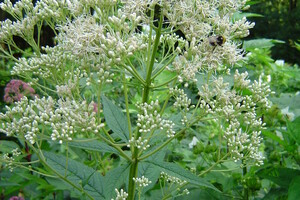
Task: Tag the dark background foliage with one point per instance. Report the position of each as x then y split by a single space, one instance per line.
281 20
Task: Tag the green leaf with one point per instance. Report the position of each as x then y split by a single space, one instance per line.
274 137
77 173
280 176
115 119
200 193
260 43
115 179
149 170
174 170
94 146
294 129
289 100
276 193
294 192
7 146
239 15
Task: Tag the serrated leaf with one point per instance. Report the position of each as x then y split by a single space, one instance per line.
115 179
175 170
115 119
94 146
77 172
149 170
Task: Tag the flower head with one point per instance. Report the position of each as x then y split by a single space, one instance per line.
15 90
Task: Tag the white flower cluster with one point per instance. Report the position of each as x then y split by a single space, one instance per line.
64 118
122 195
243 125
111 42
181 99
197 20
243 144
185 192
182 102
261 90
28 15
44 65
142 182
172 179
140 143
10 159
25 20
151 120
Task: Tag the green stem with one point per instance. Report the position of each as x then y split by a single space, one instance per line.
122 153
133 72
175 136
150 67
164 67
165 83
167 100
163 145
145 98
127 105
246 192
168 141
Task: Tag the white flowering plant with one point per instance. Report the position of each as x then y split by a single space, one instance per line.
125 80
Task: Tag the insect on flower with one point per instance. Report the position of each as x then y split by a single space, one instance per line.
216 41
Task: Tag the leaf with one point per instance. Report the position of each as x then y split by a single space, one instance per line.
149 170
260 43
280 176
239 15
294 129
77 173
7 146
115 179
94 146
198 193
274 137
115 119
288 99
276 193
174 170
294 192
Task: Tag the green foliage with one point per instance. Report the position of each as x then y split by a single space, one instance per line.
281 172
115 119
280 21
85 180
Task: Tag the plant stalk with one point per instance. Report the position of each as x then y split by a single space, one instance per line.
145 98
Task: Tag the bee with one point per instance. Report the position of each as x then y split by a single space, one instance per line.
216 41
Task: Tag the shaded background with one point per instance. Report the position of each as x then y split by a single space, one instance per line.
281 20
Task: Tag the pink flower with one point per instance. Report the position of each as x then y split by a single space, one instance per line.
16 198
95 107
16 89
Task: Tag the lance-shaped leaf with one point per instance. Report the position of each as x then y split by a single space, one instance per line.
94 146
79 174
116 178
115 119
175 170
